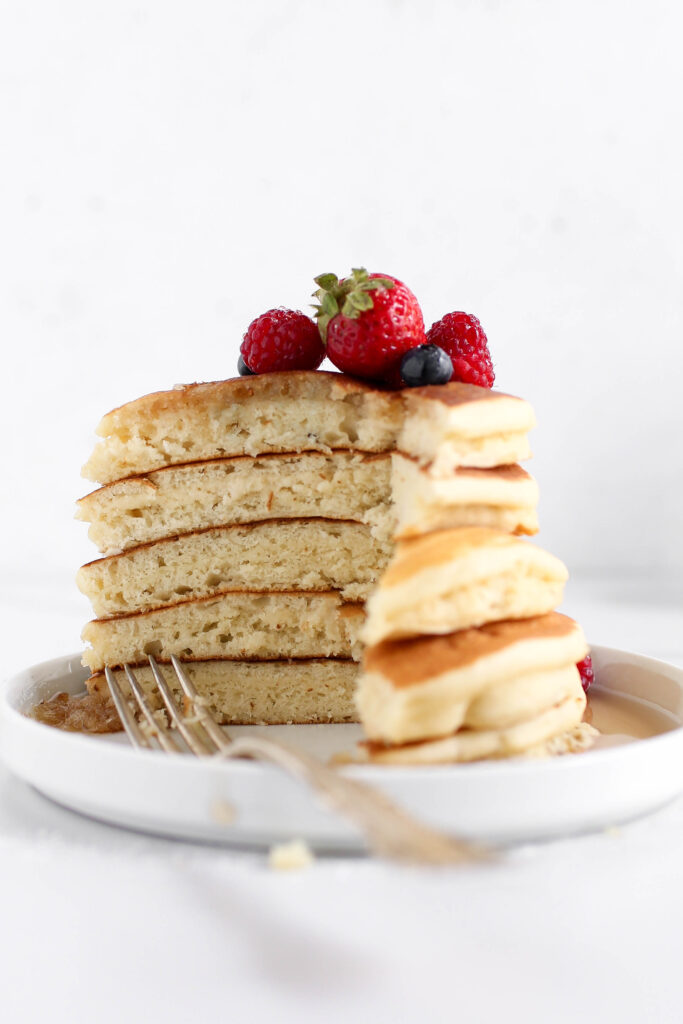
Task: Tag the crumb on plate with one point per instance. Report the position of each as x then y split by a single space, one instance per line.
290 856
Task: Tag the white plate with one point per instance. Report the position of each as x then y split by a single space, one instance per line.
499 801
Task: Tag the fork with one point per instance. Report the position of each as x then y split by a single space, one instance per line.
389 831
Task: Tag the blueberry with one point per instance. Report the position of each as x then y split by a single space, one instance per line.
243 369
426 364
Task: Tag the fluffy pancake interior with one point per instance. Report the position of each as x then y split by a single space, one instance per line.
294 554
504 498
180 499
278 412
261 692
300 411
238 624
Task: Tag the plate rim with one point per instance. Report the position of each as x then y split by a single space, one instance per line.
501 801
518 765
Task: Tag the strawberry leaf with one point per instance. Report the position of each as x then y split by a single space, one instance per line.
357 302
351 296
327 281
329 305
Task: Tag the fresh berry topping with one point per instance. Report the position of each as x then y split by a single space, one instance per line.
282 339
426 364
585 668
461 335
243 369
368 322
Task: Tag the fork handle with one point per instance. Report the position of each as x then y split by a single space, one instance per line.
389 830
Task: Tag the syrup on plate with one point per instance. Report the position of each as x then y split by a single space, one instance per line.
620 719
82 713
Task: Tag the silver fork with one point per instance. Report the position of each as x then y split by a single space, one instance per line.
389 831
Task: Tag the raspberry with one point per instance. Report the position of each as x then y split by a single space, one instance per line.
282 339
462 337
368 321
585 668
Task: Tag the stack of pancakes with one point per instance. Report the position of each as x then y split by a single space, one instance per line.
466 657
244 523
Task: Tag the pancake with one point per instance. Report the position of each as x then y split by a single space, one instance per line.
488 678
236 625
557 730
292 411
296 411
452 425
455 579
244 489
503 498
287 554
244 522
261 692
391 493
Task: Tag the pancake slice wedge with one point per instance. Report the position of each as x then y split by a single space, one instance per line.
486 678
276 555
244 489
455 579
237 625
305 691
453 425
444 426
556 730
503 498
292 411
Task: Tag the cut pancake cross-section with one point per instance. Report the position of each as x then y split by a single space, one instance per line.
275 555
235 624
447 426
302 692
244 524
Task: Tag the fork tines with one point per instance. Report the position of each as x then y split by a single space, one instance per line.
201 733
388 829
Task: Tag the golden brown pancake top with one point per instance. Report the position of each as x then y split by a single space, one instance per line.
455 393
236 389
434 549
409 662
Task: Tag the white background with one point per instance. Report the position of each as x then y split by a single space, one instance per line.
168 171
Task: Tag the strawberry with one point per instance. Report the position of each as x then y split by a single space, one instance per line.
586 672
368 322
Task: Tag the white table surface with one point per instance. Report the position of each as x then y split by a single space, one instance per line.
101 925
